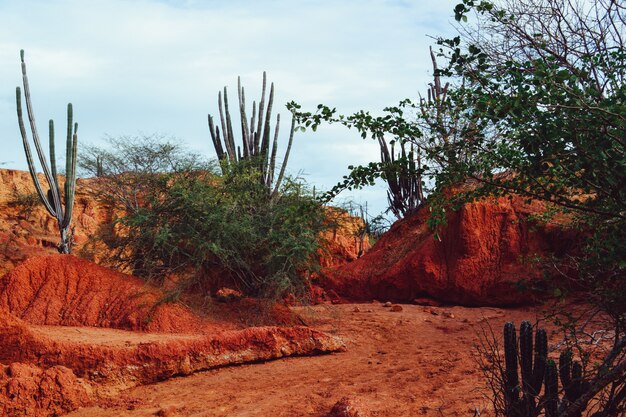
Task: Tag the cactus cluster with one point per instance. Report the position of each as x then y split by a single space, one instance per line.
255 136
60 206
523 399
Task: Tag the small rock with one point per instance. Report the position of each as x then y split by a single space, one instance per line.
447 314
387 304
166 412
434 313
349 407
356 310
396 307
227 294
427 302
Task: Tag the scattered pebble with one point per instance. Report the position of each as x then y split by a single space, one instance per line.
387 304
396 307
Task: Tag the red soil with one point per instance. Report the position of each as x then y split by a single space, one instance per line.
69 291
28 390
478 260
416 362
42 298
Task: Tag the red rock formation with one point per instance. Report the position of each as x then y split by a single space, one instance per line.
345 242
70 291
477 261
42 297
27 390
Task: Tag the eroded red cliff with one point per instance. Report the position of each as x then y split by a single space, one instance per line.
480 258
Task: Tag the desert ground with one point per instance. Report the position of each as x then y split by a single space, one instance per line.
416 362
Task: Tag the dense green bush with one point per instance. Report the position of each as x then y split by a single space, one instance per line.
214 229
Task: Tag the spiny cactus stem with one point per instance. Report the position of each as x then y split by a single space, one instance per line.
551 391
51 199
260 117
54 187
281 174
53 162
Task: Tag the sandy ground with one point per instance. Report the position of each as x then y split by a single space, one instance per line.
416 362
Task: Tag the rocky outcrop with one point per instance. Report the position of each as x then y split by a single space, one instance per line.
28 390
479 258
345 241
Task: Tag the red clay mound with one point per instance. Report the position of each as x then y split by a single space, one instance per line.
69 291
26 390
477 261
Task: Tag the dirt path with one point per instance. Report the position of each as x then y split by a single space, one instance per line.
417 362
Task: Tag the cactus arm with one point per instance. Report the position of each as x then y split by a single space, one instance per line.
245 133
265 137
252 133
68 156
511 381
53 159
269 178
526 352
229 150
70 178
541 356
283 167
215 136
257 138
29 156
565 369
44 165
229 125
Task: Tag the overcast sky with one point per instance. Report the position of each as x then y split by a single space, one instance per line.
135 67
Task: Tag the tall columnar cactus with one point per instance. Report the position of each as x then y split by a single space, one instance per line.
551 395
524 400
521 399
571 374
255 137
59 205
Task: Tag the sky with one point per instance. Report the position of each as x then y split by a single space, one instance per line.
142 67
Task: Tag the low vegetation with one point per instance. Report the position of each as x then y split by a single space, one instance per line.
214 228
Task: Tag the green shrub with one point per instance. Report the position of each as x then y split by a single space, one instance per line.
213 229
